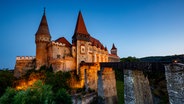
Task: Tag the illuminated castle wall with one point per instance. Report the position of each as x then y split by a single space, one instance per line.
63 55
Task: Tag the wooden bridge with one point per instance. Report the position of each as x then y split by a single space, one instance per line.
142 66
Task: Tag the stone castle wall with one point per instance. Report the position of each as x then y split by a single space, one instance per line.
63 64
23 64
58 50
87 76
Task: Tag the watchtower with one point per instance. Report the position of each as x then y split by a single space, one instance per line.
42 38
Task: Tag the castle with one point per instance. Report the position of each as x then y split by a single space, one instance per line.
63 55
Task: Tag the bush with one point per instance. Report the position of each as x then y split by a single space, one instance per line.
7 98
37 94
58 80
62 97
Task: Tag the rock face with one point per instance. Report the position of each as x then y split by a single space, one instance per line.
85 99
175 83
107 86
136 88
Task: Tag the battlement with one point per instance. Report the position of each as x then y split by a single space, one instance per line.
57 43
25 57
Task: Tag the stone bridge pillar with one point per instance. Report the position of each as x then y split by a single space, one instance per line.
175 83
136 88
107 86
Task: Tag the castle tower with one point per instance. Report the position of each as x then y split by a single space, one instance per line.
114 50
80 41
42 38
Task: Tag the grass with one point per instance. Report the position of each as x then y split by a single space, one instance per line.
120 91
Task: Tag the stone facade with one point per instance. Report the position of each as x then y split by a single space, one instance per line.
63 55
23 64
87 76
175 83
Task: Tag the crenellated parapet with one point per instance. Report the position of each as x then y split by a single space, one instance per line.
56 44
23 64
25 57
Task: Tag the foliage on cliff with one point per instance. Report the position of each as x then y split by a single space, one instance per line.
51 88
56 80
39 93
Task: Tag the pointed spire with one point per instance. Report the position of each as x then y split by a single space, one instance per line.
80 32
113 46
44 11
43 28
80 26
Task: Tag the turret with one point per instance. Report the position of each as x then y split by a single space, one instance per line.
42 38
114 50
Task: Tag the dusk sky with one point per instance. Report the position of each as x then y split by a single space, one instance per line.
138 28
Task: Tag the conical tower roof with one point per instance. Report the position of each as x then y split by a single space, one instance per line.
113 47
80 27
80 32
43 28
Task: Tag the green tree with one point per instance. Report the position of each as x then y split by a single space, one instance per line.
37 94
62 97
129 59
58 80
7 98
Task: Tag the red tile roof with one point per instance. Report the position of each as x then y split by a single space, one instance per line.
96 42
80 26
63 40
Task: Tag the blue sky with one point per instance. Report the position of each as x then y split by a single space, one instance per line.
137 27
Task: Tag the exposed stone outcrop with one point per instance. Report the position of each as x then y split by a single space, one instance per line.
83 99
175 83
